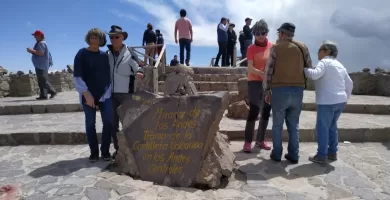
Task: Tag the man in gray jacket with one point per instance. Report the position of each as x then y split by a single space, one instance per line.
124 67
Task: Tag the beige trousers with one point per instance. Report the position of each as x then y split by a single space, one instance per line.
150 51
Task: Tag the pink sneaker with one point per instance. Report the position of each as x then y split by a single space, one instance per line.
263 145
247 147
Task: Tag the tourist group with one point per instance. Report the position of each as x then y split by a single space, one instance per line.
277 74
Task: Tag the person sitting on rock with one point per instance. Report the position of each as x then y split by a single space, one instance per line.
92 81
124 67
257 56
174 61
333 89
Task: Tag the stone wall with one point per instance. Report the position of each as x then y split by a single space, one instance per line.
23 85
4 82
366 83
62 81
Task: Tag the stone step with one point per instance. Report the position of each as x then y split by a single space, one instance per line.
68 128
68 102
351 127
218 77
216 70
204 86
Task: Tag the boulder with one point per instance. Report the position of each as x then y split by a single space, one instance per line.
179 82
3 71
173 140
366 70
242 88
238 110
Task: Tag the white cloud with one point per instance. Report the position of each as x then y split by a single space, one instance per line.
360 27
124 15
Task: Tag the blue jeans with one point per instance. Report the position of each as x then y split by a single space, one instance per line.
326 128
90 127
286 103
185 43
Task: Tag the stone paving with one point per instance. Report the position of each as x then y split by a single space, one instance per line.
63 172
69 102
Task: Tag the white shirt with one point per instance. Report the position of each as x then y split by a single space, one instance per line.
332 82
223 27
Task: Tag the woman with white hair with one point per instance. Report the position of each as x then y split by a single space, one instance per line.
333 89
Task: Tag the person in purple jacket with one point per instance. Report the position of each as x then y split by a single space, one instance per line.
92 81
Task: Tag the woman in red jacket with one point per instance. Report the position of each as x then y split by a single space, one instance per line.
257 56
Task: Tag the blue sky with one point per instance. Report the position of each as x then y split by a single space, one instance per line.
358 26
65 23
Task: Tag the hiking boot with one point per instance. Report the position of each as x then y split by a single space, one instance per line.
332 156
289 158
247 147
318 159
93 158
106 157
41 98
274 158
52 95
263 145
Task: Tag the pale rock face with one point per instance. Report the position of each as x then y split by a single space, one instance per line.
179 82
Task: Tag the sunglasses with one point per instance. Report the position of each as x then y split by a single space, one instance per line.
322 49
114 37
260 33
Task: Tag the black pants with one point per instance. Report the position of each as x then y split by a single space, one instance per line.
44 86
222 51
117 100
185 44
256 105
230 53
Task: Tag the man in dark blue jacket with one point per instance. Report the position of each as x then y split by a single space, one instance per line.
248 39
232 40
160 40
222 34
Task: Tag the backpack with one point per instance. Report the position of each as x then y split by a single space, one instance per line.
50 60
241 38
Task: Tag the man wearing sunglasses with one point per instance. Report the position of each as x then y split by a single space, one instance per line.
125 67
286 80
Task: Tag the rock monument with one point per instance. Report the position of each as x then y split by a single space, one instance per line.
173 140
179 81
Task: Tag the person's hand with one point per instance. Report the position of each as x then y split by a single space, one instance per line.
140 75
29 50
89 99
262 75
176 40
268 96
191 40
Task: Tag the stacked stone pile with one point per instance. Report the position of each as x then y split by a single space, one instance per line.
366 83
4 82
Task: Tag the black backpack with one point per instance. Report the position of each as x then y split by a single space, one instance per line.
241 38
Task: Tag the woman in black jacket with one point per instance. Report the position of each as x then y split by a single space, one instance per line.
232 40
